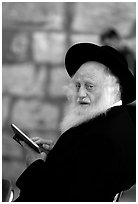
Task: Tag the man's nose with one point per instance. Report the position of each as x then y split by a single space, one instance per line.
82 93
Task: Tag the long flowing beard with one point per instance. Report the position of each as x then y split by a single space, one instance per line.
76 114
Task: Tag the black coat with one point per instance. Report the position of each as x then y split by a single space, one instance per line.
91 162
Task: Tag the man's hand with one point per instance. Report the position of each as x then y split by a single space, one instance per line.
47 144
31 155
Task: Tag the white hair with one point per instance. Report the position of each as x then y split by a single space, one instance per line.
75 115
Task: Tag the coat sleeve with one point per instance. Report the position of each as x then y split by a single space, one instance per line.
31 181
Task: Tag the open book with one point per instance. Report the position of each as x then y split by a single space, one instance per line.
20 136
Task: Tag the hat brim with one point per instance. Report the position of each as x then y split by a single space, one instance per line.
81 53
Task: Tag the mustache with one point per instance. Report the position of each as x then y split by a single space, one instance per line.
83 101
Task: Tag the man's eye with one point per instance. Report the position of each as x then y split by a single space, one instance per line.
77 86
89 86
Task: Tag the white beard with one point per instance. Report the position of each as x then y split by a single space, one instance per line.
77 114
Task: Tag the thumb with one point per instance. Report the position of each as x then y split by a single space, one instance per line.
43 155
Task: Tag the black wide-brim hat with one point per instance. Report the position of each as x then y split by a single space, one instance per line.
81 53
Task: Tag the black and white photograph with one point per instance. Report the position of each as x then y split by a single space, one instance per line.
68 101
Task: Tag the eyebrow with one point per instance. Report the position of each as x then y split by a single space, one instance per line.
87 80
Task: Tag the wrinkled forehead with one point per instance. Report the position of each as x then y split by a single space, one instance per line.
91 70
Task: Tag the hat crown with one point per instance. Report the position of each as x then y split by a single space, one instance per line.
116 54
81 53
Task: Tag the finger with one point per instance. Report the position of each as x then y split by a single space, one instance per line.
43 155
22 143
35 138
45 146
44 141
41 140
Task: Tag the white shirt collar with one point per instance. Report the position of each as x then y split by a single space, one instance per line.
118 103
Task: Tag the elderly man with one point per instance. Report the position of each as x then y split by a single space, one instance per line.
94 158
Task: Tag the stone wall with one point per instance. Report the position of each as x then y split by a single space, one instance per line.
35 38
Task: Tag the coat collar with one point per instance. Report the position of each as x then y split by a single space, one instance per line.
118 103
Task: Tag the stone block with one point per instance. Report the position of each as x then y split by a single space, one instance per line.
24 80
12 169
10 148
35 115
48 47
95 16
47 14
78 38
58 79
15 45
5 108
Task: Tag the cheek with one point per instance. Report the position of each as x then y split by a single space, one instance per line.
96 96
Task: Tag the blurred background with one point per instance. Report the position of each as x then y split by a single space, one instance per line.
35 38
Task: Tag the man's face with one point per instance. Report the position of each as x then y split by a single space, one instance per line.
90 95
89 82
